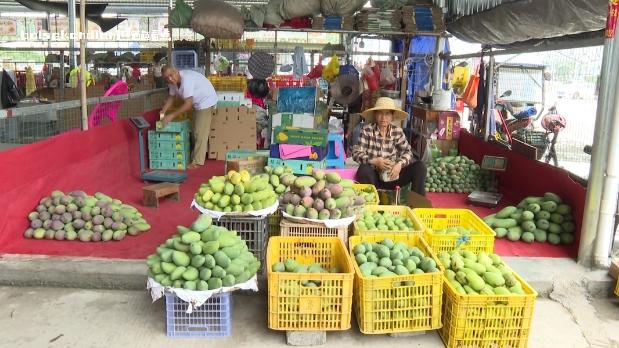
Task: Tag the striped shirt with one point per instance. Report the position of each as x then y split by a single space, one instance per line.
371 144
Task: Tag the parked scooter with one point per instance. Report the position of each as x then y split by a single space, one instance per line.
508 122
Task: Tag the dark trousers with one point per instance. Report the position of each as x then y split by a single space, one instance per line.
414 174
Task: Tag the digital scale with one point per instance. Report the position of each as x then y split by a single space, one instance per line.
489 199
154 175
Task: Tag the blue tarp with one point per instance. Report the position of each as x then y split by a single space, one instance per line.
419 73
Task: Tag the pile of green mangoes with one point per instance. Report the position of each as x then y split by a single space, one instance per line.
479 274
368 194
457 231
203 257
292 266
389 259
77 215
238 192
535 219
321 196
383 221
458 174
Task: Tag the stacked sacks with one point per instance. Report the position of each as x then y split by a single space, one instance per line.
321 196
88 218
203 257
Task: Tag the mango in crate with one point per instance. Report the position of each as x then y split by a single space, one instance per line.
384 221
389 259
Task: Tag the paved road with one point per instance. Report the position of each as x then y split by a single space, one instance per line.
54 317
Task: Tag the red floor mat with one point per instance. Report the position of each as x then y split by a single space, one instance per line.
503 247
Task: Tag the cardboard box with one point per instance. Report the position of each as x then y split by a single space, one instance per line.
613 271
253 166
448 125
318 153
232 128
301 136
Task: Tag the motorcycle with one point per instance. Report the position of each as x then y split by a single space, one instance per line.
507 121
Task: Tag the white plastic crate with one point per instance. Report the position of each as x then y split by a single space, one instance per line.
212 319
185 59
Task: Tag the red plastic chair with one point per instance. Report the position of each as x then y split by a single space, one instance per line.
108 109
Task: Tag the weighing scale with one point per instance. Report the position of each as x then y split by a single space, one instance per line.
154 175
489 199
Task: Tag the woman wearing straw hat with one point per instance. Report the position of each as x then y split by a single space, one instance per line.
383 153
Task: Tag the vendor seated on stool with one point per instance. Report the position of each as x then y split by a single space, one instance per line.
383 153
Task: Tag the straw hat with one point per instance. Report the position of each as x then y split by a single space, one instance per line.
384 103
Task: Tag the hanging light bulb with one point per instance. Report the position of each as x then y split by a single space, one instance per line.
361 43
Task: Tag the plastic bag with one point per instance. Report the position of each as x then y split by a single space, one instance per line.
332 69
386 76
371 77
460 77
180 16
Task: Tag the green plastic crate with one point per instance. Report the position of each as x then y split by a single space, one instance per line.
168 164
175 126
182 155
168 136
165 145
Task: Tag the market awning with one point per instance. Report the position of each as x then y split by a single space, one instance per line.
524 20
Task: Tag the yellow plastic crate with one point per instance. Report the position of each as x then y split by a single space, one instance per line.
397 210
370 189
288 228
438 219
229 83
274 220
617 288
293 306
487 320
386 305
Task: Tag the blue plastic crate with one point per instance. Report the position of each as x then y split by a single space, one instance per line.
212 319
184 59
298 167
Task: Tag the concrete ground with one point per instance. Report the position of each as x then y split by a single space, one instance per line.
64 317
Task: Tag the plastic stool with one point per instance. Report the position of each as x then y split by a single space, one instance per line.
336 156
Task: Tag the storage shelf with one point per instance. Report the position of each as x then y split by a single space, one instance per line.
340 31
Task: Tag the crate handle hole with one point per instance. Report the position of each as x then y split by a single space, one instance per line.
402 284
440 216
308 245
498 303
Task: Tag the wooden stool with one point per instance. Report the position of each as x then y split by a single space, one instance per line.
152 193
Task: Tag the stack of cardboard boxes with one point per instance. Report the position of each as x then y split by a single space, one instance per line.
298 129
168 148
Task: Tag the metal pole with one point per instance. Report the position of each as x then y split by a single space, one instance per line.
599 154
610 189
83 80
71 16
489 96
437 79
